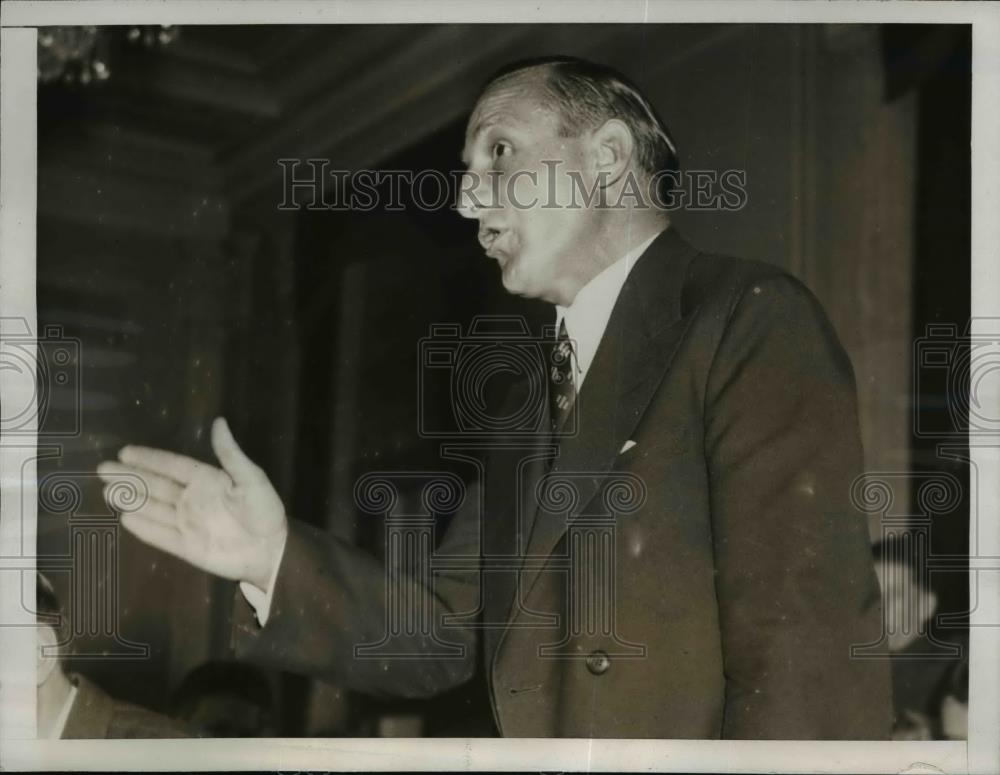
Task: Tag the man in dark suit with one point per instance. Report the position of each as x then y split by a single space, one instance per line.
672 553
70 707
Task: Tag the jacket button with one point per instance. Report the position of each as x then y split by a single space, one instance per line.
598 663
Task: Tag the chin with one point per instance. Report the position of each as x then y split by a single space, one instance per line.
509 277
518 287
514 281
513 288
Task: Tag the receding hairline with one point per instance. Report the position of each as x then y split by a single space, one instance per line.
536 80
581 95
535 85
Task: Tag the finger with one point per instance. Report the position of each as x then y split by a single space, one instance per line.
241 468
162 519
129 500
157 486
163 537
180 468
157 511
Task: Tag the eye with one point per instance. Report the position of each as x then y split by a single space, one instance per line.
501 148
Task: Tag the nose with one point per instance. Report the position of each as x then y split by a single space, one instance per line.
472 196
466 209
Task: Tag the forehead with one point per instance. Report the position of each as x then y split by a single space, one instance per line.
515 102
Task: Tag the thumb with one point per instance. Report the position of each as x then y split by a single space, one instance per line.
241 468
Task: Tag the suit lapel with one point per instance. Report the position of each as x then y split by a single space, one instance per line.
512 504
634 354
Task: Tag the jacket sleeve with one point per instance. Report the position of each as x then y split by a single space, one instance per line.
340 614
795 581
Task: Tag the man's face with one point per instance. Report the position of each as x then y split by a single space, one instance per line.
519 162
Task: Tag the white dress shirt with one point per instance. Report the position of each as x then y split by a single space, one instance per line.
586 318
59 725
588 315
259 599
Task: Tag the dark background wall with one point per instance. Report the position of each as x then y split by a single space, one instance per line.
162 249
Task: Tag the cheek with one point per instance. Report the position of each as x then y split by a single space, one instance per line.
568 181
567 191
523 192
545 239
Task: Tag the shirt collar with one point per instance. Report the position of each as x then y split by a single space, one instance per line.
59 726
588 315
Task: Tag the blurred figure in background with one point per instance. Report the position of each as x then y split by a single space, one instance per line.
955 704
227 699
930 694
71 707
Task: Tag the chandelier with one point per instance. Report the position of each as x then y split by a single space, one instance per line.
80 55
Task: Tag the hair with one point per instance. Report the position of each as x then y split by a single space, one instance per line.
46 600
586 94
898 548
47 605
246 682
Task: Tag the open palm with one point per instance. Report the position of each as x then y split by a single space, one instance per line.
228 521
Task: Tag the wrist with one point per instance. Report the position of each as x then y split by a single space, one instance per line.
272 550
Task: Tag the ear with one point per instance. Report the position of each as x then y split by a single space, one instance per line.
46 659
612 145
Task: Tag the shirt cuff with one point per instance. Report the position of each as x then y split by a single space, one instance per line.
260 599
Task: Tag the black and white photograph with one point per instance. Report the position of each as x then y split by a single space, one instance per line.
575 374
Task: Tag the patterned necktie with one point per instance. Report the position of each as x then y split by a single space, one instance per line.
562 389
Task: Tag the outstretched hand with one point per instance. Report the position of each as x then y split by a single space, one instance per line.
228 521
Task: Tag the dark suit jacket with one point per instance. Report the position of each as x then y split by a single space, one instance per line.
95 715
740 573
